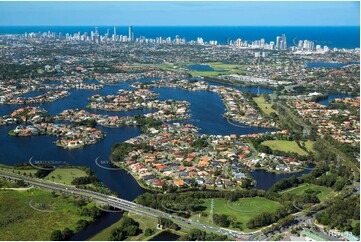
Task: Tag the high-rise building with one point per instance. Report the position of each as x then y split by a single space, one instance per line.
96 35
239 42
278 42
130 33
300 44
263 41
284 46
271 45
115 34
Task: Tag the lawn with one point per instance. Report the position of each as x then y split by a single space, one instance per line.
284 145
219 69
309 146
217 66
242 210
325 192
65 175
265 107
18 221
21 171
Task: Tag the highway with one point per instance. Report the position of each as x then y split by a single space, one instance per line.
118 203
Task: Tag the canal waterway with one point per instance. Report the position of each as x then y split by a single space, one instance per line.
206 108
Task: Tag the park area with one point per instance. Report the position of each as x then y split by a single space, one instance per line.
323 192
65 175
288 146
215 69
241 210
263 105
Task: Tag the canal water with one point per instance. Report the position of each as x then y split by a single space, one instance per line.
92 229
206 109
326 101
265 179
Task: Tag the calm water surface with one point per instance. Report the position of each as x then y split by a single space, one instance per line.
206 109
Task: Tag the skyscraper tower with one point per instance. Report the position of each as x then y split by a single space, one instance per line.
130 33
284 47
278 43
96 35
115 34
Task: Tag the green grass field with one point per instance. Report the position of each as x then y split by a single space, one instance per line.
65 175
230 68
309 146
26 172
325 192
18 221
242 210
265 107
284 145
219 69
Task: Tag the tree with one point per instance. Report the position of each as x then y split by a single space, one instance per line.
128 227
81 224
221 220
148 232
56 236
21 183
356 229
67 234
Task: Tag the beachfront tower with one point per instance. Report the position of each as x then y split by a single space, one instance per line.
130 33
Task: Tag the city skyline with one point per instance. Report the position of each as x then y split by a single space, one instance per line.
180 13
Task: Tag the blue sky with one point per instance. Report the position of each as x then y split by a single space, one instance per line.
181 13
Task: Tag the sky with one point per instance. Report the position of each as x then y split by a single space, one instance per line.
325 13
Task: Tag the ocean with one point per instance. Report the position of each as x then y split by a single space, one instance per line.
339 37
